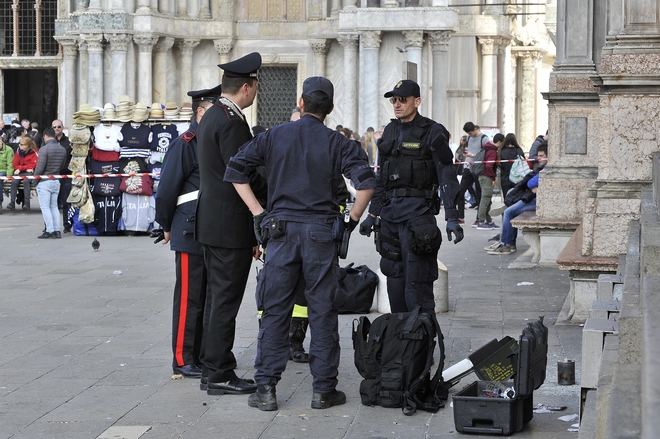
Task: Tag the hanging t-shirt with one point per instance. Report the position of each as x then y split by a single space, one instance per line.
106 137
135 140
138 212
108 214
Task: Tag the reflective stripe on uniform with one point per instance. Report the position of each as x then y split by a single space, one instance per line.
183 311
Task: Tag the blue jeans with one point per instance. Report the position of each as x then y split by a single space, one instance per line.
509 233
48 190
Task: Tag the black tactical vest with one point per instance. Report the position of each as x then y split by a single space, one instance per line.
408 169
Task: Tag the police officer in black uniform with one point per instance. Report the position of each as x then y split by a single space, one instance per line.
304 163
223 224
415 160
176 203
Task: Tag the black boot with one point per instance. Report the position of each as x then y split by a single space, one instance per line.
297 331
264 398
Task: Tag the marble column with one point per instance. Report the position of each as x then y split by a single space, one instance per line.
2 92
83 71
95 56
350 4
182 8
160 62
143 7
95 6
530 60
368 98
413 41
391 4
164 7
118 7
440 49
118 46
186 51
204 10
334 9
145 44
68 79
349 102
223 46
488 83
320 48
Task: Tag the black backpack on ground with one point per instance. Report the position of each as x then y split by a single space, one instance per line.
394 355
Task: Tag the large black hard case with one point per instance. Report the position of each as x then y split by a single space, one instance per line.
476 413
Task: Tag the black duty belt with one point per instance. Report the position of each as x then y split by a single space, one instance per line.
410 192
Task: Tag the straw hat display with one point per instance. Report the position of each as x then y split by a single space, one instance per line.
156 111
186 112
124 110
87 116
140 112
171 110
109 112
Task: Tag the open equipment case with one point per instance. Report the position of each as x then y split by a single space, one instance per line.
503 407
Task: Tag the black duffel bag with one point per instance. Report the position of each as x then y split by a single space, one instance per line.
357 298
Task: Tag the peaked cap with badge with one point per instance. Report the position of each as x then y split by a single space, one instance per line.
209 94
245 67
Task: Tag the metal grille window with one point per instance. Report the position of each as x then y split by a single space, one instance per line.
27 27
276 96
276 10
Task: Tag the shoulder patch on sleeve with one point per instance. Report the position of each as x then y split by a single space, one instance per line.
188 136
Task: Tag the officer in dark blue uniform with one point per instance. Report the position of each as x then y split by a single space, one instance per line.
415 160
176 202
304 163
223 224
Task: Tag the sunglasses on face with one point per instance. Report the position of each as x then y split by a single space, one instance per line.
57 127
402 99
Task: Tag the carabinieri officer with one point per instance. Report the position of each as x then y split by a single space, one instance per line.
176 202
304 163
224 224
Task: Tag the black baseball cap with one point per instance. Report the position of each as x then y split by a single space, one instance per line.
319 88
405 87
245 67
209 94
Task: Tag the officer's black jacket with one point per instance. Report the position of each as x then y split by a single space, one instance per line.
179 175
223 219
304 161
403 208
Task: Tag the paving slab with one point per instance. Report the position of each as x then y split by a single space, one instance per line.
86 350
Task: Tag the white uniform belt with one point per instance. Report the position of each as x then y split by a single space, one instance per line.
185 198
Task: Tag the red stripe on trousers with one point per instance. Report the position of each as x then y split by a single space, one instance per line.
183 310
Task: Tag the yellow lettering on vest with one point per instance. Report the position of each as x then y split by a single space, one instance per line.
410 145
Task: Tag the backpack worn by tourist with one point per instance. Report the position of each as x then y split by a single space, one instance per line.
478 169
394 355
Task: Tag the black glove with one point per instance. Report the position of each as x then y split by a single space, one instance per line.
159 234
351 224
367 225
257 226
456 229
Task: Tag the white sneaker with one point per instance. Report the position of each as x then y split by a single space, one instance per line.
497 211
493 246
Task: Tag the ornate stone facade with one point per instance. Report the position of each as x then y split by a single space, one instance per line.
359 45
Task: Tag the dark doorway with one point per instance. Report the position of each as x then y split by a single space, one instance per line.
32 94
276 97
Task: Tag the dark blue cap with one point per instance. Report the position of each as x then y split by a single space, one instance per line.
319 88
209 94
245 67
405 87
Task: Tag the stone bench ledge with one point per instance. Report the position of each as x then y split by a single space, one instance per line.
571 257
529 220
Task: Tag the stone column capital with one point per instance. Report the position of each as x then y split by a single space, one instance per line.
187 45
348 41
413 38
118 42
320 46
493 45
223 45
370 39
145 42
530 58
94 42
439 40
70 46
164 44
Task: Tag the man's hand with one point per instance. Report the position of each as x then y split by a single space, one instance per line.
456 229
367 225
257 226
351 224
166 237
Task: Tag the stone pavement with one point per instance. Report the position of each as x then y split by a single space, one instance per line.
86 353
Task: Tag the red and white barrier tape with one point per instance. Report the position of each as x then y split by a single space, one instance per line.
56 177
